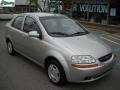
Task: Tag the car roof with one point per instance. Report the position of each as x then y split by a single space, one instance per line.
41 14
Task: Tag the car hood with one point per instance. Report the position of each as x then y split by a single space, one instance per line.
84 45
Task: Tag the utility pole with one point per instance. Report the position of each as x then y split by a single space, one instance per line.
88 12
108 12
72 8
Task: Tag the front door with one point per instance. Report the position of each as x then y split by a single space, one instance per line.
33 46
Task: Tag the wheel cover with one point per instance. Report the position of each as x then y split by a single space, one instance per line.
10 49
53 73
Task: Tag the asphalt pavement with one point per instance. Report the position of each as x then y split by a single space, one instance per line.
19 73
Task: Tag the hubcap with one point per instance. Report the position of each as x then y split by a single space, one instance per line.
10 47
53 73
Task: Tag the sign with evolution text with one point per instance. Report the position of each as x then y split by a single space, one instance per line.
93 8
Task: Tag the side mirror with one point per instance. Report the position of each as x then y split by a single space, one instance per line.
33 34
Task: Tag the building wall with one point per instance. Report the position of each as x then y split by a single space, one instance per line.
21 2
100 11
22 6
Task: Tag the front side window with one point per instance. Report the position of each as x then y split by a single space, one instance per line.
17 23
62 26
30 25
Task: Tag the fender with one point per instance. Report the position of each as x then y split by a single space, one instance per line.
61 59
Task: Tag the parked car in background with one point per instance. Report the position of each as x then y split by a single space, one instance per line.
66 50
5 15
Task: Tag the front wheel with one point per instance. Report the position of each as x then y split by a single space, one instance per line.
56 73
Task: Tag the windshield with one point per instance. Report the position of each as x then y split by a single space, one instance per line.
62 27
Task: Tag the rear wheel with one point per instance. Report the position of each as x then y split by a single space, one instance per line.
10 48
56 73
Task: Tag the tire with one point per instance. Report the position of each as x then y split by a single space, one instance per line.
10 48
56 67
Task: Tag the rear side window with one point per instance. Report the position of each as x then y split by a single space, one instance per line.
17 23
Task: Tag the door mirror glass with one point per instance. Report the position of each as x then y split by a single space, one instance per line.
34 34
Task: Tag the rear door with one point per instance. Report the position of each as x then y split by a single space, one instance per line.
17 34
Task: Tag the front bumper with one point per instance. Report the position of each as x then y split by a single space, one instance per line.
90 74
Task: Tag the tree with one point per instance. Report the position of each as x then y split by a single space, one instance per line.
36 4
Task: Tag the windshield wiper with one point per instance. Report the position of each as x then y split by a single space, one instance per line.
79 33
59 33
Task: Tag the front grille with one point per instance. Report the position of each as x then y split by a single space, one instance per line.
105 58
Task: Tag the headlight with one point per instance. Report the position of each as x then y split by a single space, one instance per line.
83 59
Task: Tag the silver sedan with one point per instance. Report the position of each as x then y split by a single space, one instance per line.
66 49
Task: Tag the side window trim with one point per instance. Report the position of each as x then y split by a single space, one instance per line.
23 23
